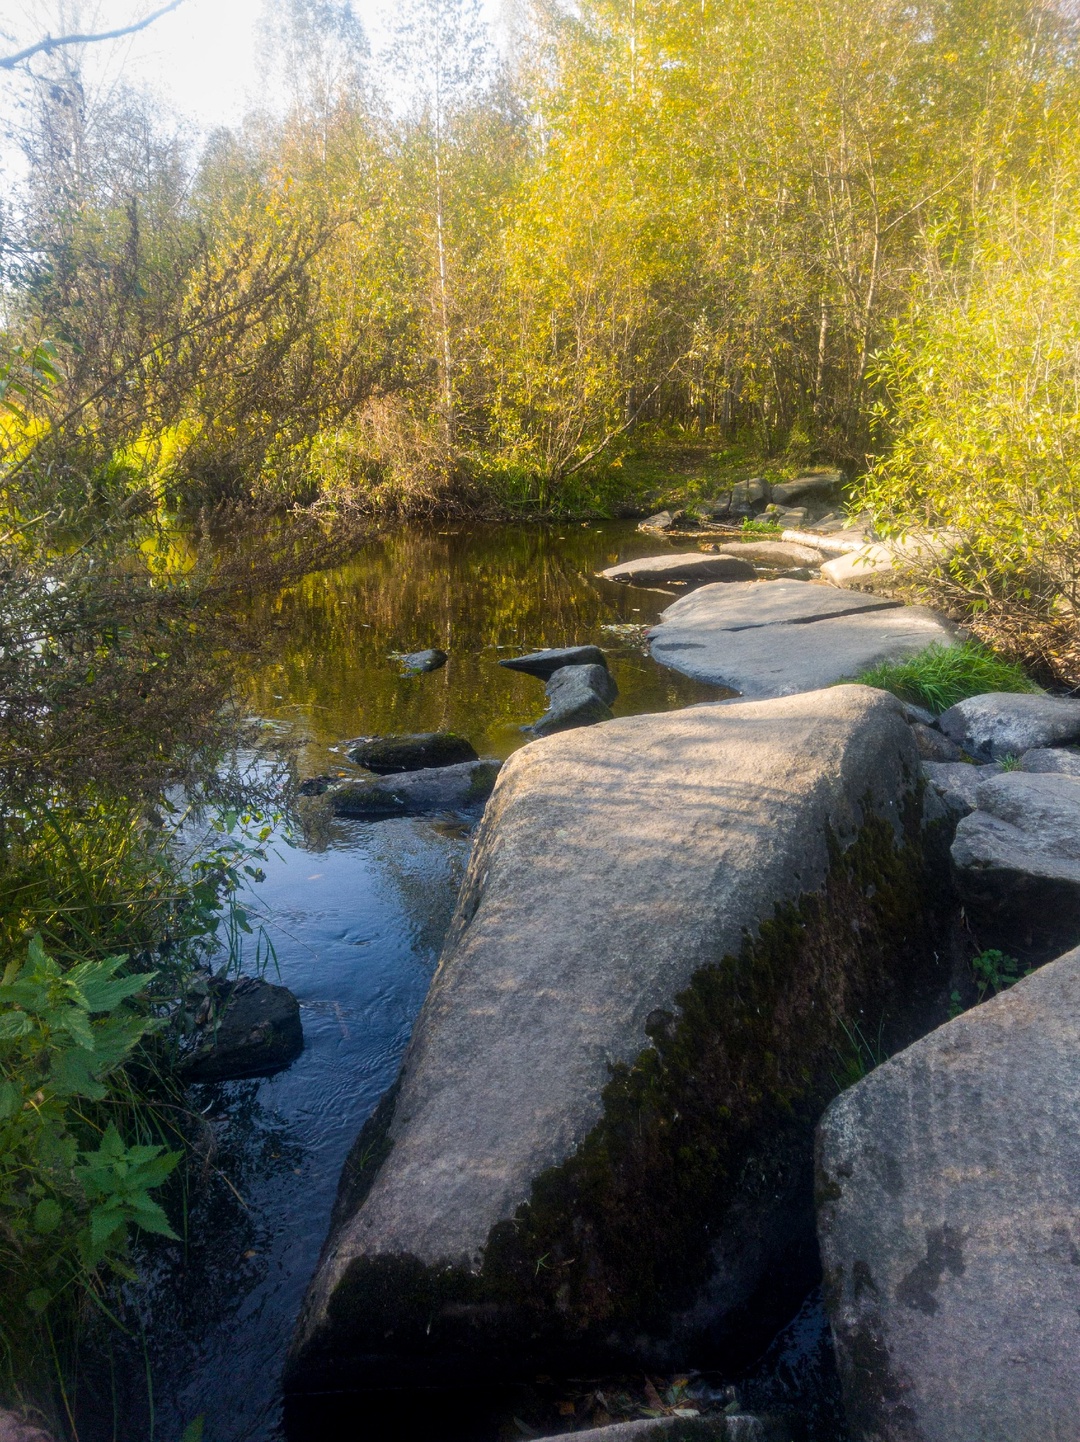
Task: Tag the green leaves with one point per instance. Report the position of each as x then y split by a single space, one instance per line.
117 1180
69 1196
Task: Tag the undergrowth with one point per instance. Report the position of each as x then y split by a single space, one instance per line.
940 676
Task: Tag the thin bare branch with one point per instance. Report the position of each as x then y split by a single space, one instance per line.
55 42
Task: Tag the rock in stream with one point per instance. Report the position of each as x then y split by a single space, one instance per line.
599 1152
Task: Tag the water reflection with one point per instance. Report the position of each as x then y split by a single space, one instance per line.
357 924
477 593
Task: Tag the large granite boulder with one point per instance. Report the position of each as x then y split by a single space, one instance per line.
1017 861
775 638
387 755
691 567
414 793
545 663
1002 723
949 1187
577 696
599 1152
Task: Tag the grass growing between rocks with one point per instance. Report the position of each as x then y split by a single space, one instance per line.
940 676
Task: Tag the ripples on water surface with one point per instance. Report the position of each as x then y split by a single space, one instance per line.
357 923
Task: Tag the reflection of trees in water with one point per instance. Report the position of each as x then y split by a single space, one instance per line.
191 1290
468 592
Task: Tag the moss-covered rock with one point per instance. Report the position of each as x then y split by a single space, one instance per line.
679 936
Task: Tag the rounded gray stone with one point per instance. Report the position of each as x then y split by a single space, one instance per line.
1000 723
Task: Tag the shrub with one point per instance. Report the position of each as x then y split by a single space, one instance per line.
940 676
979 395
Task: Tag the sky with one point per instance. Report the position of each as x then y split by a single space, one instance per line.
202 59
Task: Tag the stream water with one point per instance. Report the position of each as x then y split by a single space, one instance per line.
356 919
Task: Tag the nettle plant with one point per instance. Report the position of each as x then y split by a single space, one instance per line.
70 1186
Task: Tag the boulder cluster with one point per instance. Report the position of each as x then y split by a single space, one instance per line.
736 999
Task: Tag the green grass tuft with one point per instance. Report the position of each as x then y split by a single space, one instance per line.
940 676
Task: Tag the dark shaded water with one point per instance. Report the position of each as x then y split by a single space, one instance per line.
357 921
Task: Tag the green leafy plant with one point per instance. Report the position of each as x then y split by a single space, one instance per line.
940 676
757 526
993 972
70 1186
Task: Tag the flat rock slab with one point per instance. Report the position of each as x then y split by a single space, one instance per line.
777 638
387 755
1017 862
546 663
950 1226
555 1178
687 567
1001 723
255 1029
776 554
415 793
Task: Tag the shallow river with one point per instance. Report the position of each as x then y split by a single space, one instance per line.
357 918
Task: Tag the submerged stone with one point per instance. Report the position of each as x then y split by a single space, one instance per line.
599 1153
424 661
387 755
416 793
693 567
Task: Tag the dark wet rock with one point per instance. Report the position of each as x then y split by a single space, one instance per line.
416 793
1058 758
577 696
933 744
1017 862
781 637
599 1154
796 1376
688 567
949 1187
387 755
424 661
799 573
957 783
316 785
252 1028
1001 724
544 663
